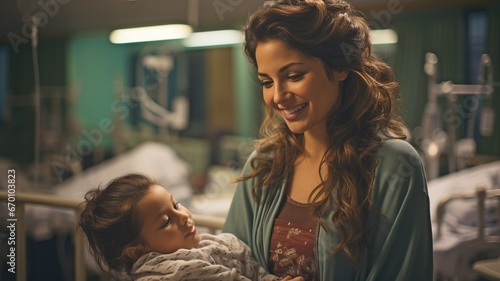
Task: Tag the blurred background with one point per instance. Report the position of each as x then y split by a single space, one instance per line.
85 80
79 104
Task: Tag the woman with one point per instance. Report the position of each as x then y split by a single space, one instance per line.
332 190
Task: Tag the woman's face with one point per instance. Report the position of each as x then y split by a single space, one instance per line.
297 87
167 225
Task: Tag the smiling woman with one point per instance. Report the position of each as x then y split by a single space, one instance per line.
326 171
296 86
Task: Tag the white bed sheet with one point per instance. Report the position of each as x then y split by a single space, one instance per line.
218 193
455 251
156 160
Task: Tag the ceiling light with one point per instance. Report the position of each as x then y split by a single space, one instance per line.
383 36
150 33
214 38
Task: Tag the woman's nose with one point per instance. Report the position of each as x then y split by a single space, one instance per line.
281 93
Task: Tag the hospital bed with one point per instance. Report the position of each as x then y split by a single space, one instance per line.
459 239
41 216
210 224
465 214
159 161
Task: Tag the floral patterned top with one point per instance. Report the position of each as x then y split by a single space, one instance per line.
293 240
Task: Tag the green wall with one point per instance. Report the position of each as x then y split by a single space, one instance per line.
248 95
94 67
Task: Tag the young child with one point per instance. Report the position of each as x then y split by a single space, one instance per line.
136 226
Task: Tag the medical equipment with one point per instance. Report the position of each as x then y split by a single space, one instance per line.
435 140
152 76
28 9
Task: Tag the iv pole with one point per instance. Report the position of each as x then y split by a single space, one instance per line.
452 91
27 9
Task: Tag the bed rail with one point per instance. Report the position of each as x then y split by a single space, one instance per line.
481 193
20 199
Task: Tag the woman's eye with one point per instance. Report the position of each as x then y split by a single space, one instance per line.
176 205
266 83
295 77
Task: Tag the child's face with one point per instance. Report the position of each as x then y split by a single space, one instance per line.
167 225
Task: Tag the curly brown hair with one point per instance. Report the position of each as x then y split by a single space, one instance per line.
337 34
110 220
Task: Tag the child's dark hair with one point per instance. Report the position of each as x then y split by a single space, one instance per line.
110 220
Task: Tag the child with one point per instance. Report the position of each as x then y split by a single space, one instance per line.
135 225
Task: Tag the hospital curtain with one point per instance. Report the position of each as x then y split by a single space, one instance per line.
491 145
439 32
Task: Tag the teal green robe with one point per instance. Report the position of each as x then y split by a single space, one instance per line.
401 236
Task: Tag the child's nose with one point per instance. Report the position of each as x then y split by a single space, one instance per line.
183 217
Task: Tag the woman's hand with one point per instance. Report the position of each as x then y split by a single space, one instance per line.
289 278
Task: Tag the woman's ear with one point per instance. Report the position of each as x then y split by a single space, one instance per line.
134 252
340 75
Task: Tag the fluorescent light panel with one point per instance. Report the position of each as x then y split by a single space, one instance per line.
383 36
214 38
209 38
150 33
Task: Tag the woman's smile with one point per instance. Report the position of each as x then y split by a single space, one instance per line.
291 113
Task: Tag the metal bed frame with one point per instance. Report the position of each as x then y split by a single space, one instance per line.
489 268
212 224
481 193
